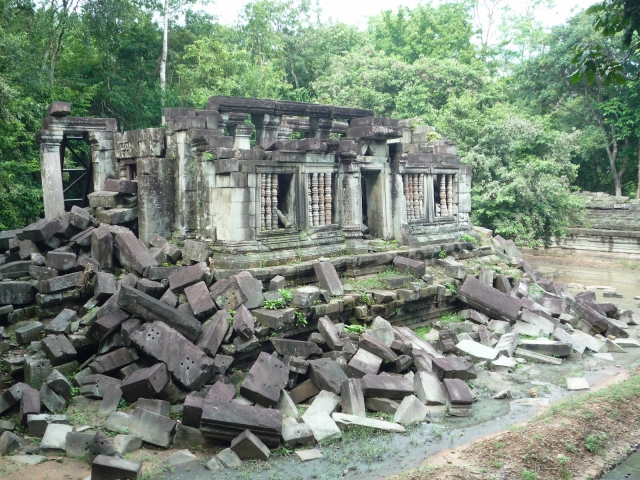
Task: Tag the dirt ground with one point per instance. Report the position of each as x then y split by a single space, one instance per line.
578 438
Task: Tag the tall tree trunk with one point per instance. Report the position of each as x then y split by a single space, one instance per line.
638 191
163 61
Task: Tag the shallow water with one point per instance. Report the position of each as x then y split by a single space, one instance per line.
627 470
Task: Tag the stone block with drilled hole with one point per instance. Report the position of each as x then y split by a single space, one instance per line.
145 383
265 379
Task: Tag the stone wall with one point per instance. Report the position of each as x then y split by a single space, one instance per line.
613 225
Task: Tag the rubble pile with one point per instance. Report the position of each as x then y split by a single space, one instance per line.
91 314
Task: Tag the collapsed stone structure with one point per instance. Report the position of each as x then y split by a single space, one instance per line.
349 177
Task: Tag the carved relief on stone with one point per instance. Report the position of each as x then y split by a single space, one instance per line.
263 202
268 214
314 199
443 196
321 216
274 200
327 199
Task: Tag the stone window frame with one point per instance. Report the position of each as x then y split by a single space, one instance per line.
429 194
288 170
336 196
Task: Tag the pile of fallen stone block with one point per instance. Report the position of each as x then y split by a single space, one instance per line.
90 313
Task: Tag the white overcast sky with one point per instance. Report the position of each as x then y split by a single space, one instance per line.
355 12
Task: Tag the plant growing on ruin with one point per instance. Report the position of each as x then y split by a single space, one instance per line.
442 254
451 287
468 238
359 329
287 294
300 320
274 304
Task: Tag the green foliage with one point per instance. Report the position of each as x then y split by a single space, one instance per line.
422 331
359 329
442 254
275 304
528 475
452 288
123 403
389 272
287 294
300 320
451 318
595 442
468 238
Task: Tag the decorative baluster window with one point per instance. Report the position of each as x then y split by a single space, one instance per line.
277 201
320 199
414 194
444 190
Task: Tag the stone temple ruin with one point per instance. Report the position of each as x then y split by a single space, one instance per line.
349 177
252 297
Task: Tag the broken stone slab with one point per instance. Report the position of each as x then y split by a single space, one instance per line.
454 367
528 329
297 434
457 392
274 319
243 323
474 316
110 400
452 268
172 252
145 383
577 383
102 246
58 349
189 365
547 347
287 406
266 378
352 398
476 350
227 458
411 410
28 333
546 326
295 348
101 445
507 344
383 405
152 288
330 333
132 253
107 324
225 421
346 421
51 400
488 300
409 266
588 341
326 402
385 386
251 288
537 357
213 332
428 388
16 293
149 426
375 346
249 447
593 319
304 297
363 363
40 231
36 371
57 284
62 322
326 374
15 269
9 443
195 251
221 392
127 444
78 443
200 300
109 468
181 457
328 278
227 294
113 360
304 391
382 330
61 261
151 309
37 423
604 356
55 438
323 427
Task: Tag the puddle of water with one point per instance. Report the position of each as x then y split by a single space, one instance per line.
627 470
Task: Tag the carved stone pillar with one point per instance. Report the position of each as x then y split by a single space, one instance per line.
328 199
103 158
267 127
51 171
351 201
320 127
242 136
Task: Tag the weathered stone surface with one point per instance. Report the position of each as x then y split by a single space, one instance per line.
58 349
507 344
375 346
328 278
225 421
113 360
127 443
297 434
476 350
104 285
60 385
265 379
101 445
409 266
326 374
383 386
77 444
251 288
15 269
589 341
244 323
40 231
55 437
16 293
352 398
195 251
29 332
274 319
62 322
152 309
145 383
61 261
382 330
111 468
172 252
488 300
213 332
11 396
154 405
330 333
453 269
323 427
200 300
36 371
227 294
457 391
474 316
428 388
411 410
37 423
349 420
42 273
577 383
363 363
547 347
9 443
149 426
187 363
276 283
132 254
107 324
110 400
102 247
51 400
537 357
454 367
249 447
57 284
304 391
304 297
